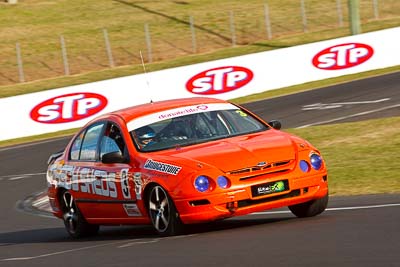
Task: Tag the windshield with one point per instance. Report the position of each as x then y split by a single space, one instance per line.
195 128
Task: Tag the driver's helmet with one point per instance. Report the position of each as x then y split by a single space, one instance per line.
145 135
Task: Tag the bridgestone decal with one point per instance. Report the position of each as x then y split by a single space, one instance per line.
161 167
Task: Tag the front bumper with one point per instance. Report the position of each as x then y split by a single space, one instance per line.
239 201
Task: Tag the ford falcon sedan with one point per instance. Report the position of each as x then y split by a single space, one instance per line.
178 162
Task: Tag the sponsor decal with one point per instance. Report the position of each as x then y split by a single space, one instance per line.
137 178
182 112
88 180
269 188
95 182
343 56
277 187
132 210
177 112
161 167
219 80
68 108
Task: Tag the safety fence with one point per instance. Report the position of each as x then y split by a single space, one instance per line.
167 37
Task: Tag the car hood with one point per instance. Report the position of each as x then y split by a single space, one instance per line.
240 152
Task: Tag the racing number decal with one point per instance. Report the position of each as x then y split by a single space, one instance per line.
125 183
137 178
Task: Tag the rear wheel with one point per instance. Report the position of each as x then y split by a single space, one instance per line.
163 213
310 208
74 222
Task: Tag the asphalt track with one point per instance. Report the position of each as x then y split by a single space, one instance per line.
354 231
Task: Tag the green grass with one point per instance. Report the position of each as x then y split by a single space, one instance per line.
37 25
361 156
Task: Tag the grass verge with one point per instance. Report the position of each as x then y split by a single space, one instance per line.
360 156
37 27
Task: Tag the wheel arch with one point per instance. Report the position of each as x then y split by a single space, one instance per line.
146 193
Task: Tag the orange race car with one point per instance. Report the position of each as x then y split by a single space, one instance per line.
180 162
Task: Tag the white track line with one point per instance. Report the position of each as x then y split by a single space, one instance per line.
333 209
13 177
139 242
349 116
128 243
32 144
132 242
62 252
17 178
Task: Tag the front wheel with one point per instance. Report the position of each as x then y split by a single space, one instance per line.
74 222
163 213
310 208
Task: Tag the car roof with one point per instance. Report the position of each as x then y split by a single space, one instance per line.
133 112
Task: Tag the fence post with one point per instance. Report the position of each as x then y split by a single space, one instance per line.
148 43
267 21
303 15
64 55
193 31
340 12
20 65
376 9
108 48
354 17
232 27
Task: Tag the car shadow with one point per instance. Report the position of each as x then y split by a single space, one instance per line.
128 232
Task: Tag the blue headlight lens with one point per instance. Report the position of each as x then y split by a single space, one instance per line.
202 183
304 166
316 161
223 182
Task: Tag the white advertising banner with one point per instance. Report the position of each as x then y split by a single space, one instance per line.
73 106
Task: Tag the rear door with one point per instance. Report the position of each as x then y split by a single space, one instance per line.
104 192
85 184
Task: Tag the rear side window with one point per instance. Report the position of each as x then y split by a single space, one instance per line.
76 147
85 145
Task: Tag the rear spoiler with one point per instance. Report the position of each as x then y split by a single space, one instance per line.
54 156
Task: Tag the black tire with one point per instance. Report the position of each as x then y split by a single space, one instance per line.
163 213
310 208
74 222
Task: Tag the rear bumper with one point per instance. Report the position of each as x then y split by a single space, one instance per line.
54 203
240 201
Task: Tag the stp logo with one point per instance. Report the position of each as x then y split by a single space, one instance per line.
343 56
219 80
68 108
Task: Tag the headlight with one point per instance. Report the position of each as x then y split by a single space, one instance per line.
223 182
304 166
316 161
202 183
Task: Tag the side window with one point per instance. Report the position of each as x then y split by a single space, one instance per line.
89 143
76 147
112 140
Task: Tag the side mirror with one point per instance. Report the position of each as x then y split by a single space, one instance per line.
113 157
275 124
